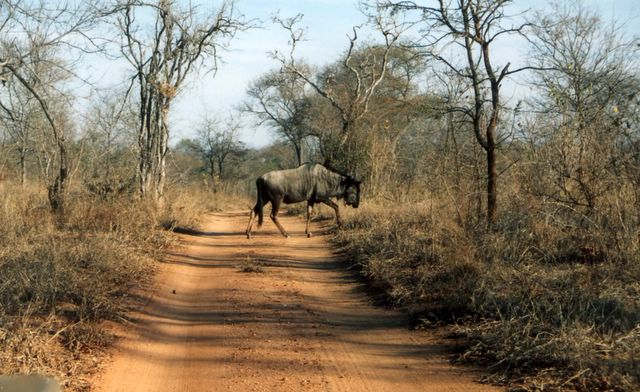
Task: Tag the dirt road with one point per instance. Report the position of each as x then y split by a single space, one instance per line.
299 323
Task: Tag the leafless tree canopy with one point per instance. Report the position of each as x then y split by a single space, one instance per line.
367 70
163 54
218 146
34 36
469 28
279 99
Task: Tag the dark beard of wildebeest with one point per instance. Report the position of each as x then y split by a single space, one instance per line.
311 182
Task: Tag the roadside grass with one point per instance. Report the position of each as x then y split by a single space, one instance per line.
62 277
546 301
186 207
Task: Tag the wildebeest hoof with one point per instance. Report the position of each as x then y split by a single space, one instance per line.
308 235
248 236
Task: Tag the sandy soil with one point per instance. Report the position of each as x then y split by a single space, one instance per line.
303 323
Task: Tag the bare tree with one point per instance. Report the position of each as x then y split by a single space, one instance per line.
352 105
218 144
474 27
18 112
31 33
179 41
109 138
279 100
586 91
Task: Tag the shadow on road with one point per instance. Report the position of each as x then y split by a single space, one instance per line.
305 316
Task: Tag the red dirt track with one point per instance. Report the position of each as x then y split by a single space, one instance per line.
302 324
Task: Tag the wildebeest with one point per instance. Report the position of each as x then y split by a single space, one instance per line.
311 182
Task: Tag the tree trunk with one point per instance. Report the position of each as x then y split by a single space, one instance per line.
298 147
220 168
161 159
153 138
57 189
492 197
23 166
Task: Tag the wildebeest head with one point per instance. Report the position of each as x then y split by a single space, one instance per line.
352 192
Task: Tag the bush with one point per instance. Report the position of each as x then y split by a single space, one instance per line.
540 304
61 277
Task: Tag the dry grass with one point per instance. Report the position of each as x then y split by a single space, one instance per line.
251 265
547 302
62 277
186 207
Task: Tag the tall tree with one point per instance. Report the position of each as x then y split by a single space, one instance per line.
392 110
473 26
352 105
18 112
163 54
32 34
109 137
279 100
586 95
218 144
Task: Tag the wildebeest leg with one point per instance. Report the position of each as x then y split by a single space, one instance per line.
258 209
275 206
309 209
252 217
335 208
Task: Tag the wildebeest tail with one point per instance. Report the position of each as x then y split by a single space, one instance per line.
260 203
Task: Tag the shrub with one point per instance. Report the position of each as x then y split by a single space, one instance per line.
550 298
61 277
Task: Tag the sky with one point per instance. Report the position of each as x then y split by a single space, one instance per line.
327 22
